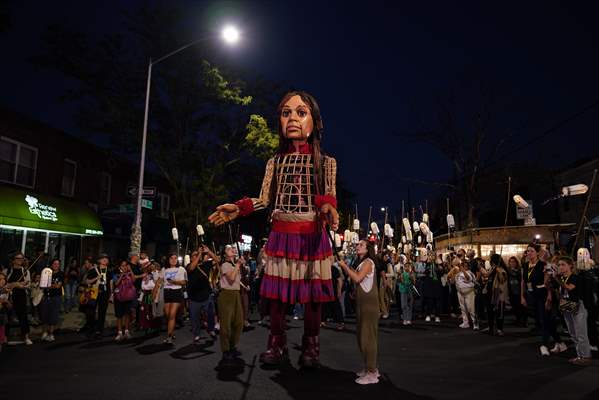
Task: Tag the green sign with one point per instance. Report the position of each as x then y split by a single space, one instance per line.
25 209
146 204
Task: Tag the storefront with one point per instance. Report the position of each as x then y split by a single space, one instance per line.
34 223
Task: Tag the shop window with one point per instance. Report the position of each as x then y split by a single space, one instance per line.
105 186
18 162
69 174
165 204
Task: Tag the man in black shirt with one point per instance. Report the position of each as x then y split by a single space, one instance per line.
99 276
199 290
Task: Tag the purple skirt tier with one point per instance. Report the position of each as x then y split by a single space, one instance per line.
299 246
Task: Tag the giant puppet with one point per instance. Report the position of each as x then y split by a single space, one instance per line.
299 189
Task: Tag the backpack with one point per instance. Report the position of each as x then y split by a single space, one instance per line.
126 289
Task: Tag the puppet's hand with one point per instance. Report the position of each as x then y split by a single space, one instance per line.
331 215
223 214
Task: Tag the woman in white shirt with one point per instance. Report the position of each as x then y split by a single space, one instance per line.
175 277
367 310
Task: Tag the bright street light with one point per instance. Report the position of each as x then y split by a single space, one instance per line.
230 34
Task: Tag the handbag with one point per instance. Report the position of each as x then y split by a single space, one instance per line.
126 290
89 296
568 306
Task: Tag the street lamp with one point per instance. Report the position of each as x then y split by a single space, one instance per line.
231 36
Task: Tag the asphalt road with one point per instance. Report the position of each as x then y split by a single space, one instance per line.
424 361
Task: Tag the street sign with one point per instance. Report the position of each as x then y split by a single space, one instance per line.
148 191
146 204
524 213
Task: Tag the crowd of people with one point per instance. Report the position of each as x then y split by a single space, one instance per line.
554 295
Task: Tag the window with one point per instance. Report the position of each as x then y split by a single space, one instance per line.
105 183
69 173
18 162
165 204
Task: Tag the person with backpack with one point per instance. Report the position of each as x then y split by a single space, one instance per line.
123 293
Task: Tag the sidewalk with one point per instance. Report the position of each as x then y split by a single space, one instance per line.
69 322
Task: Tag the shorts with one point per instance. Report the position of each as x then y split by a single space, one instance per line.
50 310
173 296
122 308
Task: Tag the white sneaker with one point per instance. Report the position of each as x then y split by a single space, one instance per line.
217 326
465 325
409 322
437 320
127 335
405 322
544 351
559 348
475 327
385 316
367 379
51 338
28 342
428 318
364 373
593 348
295 317
119 336
45 336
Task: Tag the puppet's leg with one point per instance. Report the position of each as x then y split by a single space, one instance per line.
310 356
276 351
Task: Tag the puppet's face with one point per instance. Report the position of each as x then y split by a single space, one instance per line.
296 119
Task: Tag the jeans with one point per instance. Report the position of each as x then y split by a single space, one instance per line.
196 308
407 301
577 327
70 295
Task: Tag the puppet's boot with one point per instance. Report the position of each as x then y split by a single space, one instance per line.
277 352
310 357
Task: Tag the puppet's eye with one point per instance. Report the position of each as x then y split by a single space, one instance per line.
302 113
285 113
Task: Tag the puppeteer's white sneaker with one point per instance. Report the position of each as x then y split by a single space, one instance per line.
428 318
364 373
44 336
367 379
464 325
437 320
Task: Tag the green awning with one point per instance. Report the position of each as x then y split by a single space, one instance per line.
26 209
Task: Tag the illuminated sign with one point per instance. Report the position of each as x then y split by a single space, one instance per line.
93 232
43 211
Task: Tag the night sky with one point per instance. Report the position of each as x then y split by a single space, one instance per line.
376 71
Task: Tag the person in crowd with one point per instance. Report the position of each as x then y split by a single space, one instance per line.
406 281
123 291
135 265
431 289
534 275
496 295
382 286
50 305
335 305
71 286
453 269
149 320
175 277
514 289
588 289
465 284
99 277
36 295
5 306
420 271
367 310
200 291
574 310
18 280
230 313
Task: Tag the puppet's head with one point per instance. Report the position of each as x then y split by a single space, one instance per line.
299 118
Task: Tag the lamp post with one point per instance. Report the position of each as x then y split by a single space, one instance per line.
231 36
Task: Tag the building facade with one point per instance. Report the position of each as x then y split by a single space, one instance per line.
71 199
